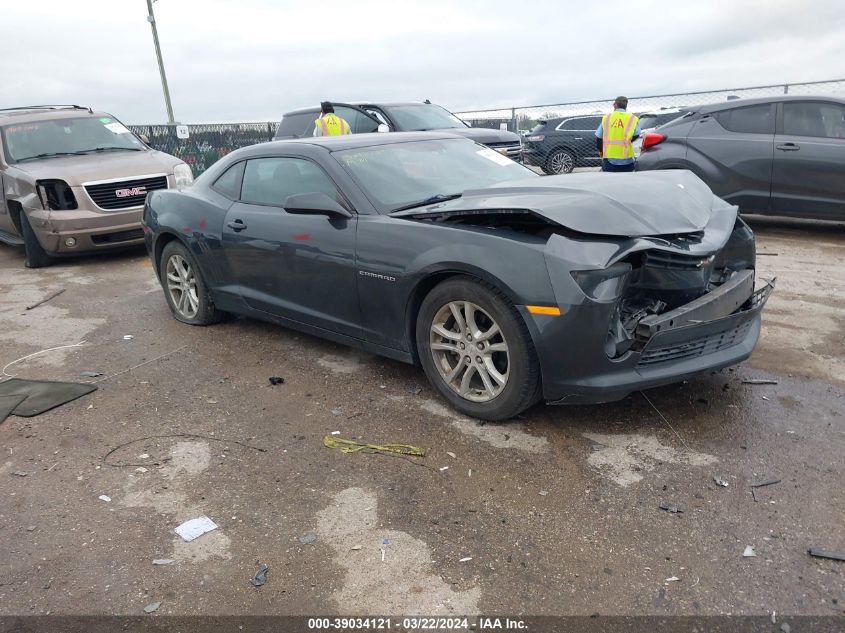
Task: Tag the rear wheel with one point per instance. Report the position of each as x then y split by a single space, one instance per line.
184 288
476 350
560 161
36 256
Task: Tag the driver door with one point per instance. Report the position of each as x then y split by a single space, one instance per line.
295 266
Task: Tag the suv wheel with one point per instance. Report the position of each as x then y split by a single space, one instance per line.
184 288
36 256
560 162
476 350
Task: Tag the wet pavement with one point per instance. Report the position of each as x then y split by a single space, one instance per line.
557 512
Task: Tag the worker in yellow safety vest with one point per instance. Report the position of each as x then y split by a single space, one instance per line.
615 137
329 124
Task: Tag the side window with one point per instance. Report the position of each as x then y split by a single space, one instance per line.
271 180
229 183
358 123
378 115
755 119
807 118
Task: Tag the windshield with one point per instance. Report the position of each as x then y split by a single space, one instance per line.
401 174
58 137
422 116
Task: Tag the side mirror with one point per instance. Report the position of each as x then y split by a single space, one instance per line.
144 139
382 127
315 203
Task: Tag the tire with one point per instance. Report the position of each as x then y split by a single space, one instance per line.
560 161
184 287
36 256
444 345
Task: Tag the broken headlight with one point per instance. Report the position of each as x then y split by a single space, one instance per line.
56 195
603 285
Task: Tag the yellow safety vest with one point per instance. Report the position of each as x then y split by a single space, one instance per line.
332 125
617 130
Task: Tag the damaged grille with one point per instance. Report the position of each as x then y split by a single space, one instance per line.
675 261
695 347
124 194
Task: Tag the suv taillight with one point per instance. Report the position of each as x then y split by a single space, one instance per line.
651 139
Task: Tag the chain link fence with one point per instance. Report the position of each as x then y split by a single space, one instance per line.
206 143
558 138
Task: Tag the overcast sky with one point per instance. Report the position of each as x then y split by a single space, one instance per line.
251 60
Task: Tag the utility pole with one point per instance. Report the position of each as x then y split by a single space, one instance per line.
152 20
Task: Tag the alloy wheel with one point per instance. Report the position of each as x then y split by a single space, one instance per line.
470 351
182 286
561 163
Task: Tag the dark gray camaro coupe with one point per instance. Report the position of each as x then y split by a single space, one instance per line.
505 286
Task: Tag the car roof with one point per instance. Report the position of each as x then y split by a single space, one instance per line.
352 141
360 104
736 103
44 113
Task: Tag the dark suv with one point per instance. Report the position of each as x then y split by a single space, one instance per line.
560 145
400 117
780 155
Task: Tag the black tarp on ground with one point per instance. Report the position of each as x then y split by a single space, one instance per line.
8 404
41 395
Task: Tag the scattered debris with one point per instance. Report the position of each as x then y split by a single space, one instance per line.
336 412
543 493
382 555
90 374
31 528
451 454
767 254
276 380
49 297
194 528
672 579
43 351
38 396
128 337
759 381
144 456
818 552
163 561
140 469
335 432
153 606
308 538
765 398
465 560
351 446
469 473
19 473
260 576
749 552
720 482
442 468
670 509
415 390
355 548
105 498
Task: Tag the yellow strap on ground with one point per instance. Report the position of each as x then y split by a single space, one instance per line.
351 446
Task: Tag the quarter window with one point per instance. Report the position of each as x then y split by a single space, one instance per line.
755 119
807 118
229 184
358 122
271 181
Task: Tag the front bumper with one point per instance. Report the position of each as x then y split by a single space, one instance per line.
668 356
90 231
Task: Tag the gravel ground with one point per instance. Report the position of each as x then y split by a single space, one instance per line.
557 512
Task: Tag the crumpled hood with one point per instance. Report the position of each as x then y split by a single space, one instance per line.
482 135
619 204
76 170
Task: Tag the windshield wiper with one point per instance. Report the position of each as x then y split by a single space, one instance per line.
47 155
443 197
107 149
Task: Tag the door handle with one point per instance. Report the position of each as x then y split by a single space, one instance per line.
237 225
789 147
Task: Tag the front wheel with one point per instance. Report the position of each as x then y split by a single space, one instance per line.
561 161
36 256
184 288
476 350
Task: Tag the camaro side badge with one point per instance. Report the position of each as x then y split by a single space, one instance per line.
366 273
